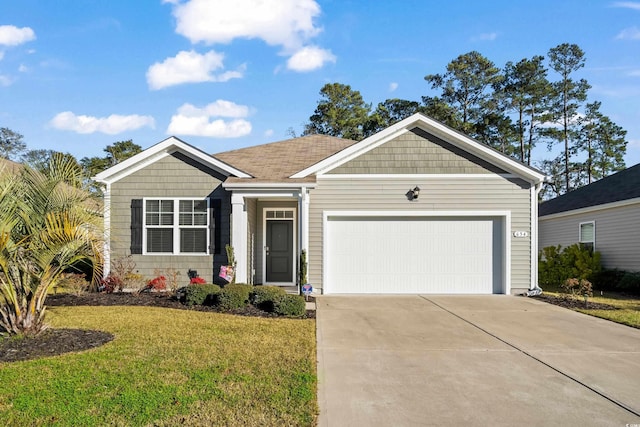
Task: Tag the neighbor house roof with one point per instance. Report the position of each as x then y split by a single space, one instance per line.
620 186
277 161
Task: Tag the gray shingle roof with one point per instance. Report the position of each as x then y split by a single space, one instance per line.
620 186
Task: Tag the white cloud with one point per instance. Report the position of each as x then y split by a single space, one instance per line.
23 68
268 133
310 58
191 120
632 33
485 37
393 86
287 23
111 125
189 67
11 35
627 4
634 73
5 80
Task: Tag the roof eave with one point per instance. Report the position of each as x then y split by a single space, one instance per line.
164 148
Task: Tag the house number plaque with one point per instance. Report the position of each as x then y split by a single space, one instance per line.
520 234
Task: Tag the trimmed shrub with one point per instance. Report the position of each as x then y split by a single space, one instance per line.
264 296
234 296
630 282
289 305
201 294
556 265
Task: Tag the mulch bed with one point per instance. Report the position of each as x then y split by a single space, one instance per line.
573 303
53 342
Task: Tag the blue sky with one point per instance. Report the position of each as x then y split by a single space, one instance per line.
78 75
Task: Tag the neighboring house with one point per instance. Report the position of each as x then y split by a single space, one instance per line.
604 215
416 208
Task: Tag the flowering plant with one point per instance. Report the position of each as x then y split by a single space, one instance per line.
197 281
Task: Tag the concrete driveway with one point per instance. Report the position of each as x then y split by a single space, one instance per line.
472 360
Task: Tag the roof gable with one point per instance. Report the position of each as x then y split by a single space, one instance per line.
416 152
169 146
623 185
454 138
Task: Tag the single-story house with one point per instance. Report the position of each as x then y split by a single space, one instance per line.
604 215
415 208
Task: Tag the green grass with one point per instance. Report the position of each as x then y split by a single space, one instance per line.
168 367
628 307
627 313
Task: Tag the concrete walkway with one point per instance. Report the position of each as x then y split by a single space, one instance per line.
472 360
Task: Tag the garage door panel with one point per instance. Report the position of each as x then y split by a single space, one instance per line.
412 255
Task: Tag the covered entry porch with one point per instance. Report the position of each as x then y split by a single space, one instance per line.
269 230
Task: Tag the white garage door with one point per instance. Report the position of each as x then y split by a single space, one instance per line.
409 255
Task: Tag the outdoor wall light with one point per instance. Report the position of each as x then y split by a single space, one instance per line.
413 194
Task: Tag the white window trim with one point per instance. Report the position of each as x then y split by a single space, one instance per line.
176 227
594 233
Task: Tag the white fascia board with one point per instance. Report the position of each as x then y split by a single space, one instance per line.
159 151
431 126
430 213
588 209
266 185
417 176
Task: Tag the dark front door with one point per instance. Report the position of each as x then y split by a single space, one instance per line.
279 251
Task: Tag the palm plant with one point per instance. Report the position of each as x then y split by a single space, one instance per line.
48 224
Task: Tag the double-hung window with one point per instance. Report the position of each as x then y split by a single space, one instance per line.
176 226
587 236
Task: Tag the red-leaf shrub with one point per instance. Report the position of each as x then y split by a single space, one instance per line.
159 283
197 281
110 284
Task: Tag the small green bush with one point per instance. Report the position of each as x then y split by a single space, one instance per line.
264 296
555 265
201 294
234 296
630 282
289 305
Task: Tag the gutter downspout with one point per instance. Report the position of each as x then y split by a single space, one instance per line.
535 289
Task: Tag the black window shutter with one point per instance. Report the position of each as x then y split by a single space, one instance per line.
136 226
214 226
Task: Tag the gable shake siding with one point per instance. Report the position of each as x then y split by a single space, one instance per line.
416 152
493 193
617 231
171 176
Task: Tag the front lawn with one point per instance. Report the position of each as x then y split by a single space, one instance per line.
168 367
627 313
627 308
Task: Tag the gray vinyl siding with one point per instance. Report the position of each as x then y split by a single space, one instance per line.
493 193
261 206
416 152
617 232
171 176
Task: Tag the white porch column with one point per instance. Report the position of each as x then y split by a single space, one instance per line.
304 220
239 236
106 200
